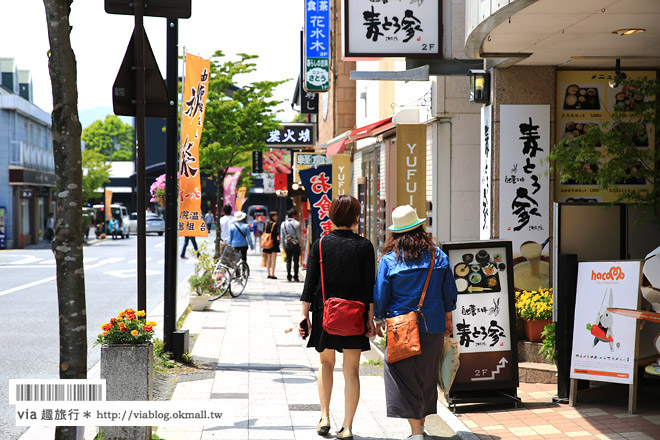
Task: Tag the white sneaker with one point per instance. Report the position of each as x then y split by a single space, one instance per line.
416 437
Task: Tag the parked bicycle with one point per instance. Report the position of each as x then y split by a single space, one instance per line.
230 274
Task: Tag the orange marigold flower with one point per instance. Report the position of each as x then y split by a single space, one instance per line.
151 323
135 333
130 316
106 327
113 320
122 327
148 328
129 310
105 333
140 313
121 314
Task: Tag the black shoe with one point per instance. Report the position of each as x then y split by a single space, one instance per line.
296 279
183 257
288 277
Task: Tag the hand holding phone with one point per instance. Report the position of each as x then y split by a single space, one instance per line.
304 328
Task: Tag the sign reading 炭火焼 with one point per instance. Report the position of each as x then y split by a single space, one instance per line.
316 49
391 28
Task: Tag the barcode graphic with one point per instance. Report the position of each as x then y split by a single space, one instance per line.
78 392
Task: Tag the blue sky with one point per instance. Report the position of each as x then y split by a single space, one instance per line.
270 29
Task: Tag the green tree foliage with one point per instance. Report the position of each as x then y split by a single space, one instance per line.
96 172
300 118
110 137
609 154
235 125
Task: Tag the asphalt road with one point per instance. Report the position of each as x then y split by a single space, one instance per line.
29 335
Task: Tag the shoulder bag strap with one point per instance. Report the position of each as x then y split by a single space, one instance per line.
239 230
321 263
426 284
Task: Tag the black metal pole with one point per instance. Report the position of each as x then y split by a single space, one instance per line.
171 239
141 153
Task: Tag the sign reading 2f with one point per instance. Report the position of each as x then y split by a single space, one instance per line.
316 60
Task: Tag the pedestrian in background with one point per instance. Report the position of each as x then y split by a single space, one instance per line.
348 273
208 218
257 231
271 254
185 245
411 385
114 227
239 235
291 237
225 222
50 227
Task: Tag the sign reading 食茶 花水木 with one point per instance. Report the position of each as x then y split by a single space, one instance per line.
316 50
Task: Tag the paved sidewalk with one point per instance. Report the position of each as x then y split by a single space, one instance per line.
271 379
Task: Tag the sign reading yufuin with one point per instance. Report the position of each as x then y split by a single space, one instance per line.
191 219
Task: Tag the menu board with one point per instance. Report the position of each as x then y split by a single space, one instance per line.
483 319
585 100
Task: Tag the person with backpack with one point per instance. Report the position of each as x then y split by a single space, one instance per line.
291 237
239 235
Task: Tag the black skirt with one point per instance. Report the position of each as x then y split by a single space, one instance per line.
321 340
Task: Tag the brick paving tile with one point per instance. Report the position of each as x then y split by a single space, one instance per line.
561 435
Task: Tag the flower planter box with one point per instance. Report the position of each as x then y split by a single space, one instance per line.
199 302
128 371
534 328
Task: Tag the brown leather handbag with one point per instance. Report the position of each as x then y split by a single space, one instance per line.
403 330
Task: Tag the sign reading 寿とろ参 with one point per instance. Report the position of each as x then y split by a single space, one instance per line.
316 62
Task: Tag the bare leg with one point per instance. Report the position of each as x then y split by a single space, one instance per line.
326 370
351 370
415 426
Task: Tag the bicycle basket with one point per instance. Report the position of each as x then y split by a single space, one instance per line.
230 256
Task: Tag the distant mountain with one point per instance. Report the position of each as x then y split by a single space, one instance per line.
88 116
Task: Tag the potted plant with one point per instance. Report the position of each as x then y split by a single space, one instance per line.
201 281
535 309
157 190
127 364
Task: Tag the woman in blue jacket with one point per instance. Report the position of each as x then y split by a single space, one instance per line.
411 384
239 235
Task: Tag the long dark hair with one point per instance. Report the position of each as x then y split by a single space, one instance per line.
409 246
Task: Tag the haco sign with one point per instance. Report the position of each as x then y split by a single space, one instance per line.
395 28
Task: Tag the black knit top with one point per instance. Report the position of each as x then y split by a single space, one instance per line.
349 269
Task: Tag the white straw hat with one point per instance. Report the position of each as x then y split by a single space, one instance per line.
239 216
404 218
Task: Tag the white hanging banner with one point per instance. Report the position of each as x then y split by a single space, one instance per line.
486 173
525 191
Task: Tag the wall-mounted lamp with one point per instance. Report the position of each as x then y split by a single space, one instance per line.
295 186
479 86
619 76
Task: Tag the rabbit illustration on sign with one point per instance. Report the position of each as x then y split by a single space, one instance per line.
602 329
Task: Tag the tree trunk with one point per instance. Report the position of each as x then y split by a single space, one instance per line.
219 202
67 243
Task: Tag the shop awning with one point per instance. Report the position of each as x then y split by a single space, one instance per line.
336 144
372 129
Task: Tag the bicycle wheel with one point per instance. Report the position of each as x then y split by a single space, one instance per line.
221 281
239 279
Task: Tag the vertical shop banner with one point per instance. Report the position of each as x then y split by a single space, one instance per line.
341 174
318 186
240 197
411 166
107 204
269 183
196 83
525 191
3 227
484 323
316 60
305 161
281 182
585 100
486 173
229 184
604 342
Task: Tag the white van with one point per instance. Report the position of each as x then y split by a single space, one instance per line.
120 212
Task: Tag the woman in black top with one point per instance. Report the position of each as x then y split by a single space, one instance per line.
271 254
349 273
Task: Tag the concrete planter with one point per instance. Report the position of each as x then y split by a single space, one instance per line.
129 375
199 302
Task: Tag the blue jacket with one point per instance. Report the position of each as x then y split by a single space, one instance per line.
399 287
236 239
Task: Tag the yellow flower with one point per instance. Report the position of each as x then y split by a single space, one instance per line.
140 313
135 333
151 323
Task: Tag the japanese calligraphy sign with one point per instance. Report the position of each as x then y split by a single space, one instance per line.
316 60
378 28
483 320
341 174
3 225
584 100
525 191
291 134
411 166
318 186
305 161
196 82
604 342
229 187
485 208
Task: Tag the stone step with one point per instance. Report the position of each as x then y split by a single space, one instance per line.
536 372
529 352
